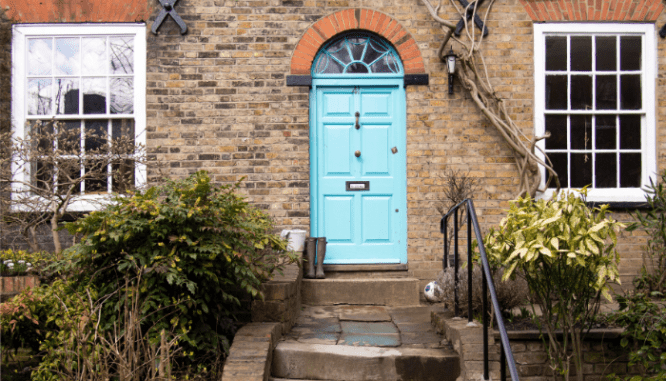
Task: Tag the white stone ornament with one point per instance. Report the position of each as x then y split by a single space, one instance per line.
430 291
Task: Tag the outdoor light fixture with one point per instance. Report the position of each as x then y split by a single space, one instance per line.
451 66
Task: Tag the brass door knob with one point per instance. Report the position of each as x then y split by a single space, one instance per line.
357 153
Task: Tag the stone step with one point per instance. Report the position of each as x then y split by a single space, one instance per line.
293 360
392 292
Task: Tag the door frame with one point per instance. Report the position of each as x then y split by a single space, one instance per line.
379 80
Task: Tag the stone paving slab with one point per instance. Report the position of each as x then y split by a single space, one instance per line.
364 313
319 338
367 328
367 340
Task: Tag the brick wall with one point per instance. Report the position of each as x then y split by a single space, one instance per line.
217 100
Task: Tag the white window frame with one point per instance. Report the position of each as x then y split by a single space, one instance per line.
20 34
648 81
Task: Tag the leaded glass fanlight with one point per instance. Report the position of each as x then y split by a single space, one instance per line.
357 53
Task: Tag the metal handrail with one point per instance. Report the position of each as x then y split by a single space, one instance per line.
506 355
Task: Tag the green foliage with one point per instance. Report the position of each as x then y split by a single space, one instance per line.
653 222
567 254
192 249
644 323
23 261
22 320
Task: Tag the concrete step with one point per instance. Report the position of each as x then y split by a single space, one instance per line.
392 292
293 360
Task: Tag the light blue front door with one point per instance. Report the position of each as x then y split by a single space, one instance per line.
358 169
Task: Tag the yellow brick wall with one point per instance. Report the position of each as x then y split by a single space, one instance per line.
218 100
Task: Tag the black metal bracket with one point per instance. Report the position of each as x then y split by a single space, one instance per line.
168 9
662 31
468 16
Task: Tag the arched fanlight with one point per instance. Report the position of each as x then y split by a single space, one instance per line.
357 53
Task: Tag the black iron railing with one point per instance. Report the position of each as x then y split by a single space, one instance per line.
506 356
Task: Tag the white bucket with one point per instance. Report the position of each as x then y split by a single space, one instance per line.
296 239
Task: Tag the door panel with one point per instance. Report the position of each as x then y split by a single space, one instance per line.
337 139
375 146
338 213
376 219
369 225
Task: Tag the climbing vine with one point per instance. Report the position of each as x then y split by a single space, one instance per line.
473 75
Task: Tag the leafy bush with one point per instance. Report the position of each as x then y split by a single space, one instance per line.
510 293
19 262
644 333
567 254
22 320
653 222
192 249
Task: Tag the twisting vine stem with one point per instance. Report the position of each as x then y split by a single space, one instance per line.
473 75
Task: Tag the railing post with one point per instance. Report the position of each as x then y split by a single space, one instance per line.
456 311
445 230
502 362
486 325
470 318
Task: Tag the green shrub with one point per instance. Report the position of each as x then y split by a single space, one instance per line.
567 254
19 262
644 334
196 248
653 222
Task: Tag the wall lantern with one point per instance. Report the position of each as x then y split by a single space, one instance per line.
451 66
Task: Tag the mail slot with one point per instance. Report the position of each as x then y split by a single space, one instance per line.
357 185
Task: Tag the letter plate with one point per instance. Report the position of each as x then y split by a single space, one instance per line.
357 185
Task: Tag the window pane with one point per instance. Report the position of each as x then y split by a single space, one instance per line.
605 132
94 56
122 133
556 53
121 50
67 59
357 46
560 166
122 128
606 53
581 92
327 65
122 95
69 173
557 126
581 131
96 177
123 176
630 92
581 53
96 136
40 56
94 95
39 96
581 170
556 92
371 54
630 53
357 67
339 51
630 131
605 167
67 96
630 170
606 92
43 174
43 136
69 137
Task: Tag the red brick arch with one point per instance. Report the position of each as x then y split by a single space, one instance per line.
594 10
354 19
